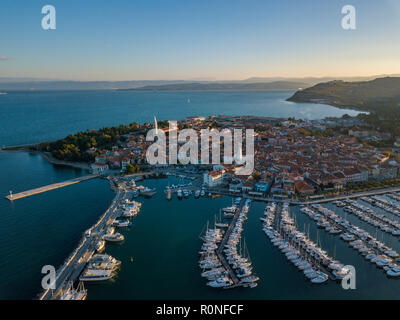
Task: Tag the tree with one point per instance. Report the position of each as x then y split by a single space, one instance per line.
130 169
257 175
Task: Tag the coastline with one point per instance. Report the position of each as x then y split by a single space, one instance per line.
48 157
330 103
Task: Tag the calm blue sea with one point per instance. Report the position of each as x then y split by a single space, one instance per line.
30 117
164 239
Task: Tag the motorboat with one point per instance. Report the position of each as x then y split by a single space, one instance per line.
116 237
179 194
96 275
122 223
100 245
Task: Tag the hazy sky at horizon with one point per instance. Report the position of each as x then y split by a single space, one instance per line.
184 39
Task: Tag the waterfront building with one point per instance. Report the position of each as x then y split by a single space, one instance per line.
213 178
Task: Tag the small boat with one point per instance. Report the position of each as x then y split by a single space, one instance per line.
179 194
169 193
100 245
197 194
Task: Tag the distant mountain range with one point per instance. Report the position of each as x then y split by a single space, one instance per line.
364 95
277 85
266 83
314 80
40 84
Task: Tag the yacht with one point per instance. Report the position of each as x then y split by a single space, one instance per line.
320 278
116 237
393 272
222 225
96 275
231 209
122 223
347 237
341 273
70 293
105 258
145 191
99 265
220 282
197 194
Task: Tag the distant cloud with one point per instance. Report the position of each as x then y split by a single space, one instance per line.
2 58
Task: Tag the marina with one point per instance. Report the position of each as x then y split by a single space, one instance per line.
360 240
167 241
221 261
224 257
306 255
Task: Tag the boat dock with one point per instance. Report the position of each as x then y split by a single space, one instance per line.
222 245
76 262
49 187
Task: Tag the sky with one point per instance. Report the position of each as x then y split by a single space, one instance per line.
203 39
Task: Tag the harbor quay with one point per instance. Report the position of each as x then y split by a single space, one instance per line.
75 263
49 187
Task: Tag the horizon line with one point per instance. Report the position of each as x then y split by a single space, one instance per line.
204 79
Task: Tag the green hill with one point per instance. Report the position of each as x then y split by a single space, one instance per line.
363 95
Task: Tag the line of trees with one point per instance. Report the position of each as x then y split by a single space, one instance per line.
75 147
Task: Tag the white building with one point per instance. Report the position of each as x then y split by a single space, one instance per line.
213 178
